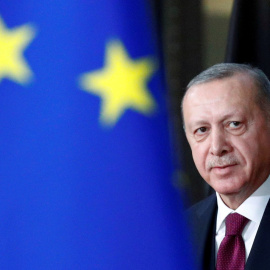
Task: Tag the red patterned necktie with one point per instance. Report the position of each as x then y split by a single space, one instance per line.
231 254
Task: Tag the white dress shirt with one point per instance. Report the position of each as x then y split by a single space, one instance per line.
252 208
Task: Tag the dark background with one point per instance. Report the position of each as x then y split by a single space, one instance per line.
192 36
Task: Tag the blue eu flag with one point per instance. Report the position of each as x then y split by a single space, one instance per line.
85 164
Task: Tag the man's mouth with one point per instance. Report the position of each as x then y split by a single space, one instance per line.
224 169
223 166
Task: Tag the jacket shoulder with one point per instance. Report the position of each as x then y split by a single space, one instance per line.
201 207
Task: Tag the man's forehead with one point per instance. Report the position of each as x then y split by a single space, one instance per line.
195 94
219 100
237 85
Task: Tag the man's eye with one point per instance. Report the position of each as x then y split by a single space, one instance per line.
201 130
234 124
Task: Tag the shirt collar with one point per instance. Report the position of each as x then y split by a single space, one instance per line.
252 208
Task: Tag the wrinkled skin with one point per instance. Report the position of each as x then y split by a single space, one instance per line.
229 136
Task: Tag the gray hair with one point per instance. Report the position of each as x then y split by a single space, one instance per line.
226 70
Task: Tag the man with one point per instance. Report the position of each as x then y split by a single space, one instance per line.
226 112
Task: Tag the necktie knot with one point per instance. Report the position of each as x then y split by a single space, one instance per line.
235 224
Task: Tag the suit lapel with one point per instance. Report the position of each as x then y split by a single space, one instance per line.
259 257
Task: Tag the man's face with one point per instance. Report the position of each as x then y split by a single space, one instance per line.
228 134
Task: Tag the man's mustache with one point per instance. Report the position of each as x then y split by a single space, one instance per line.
222 161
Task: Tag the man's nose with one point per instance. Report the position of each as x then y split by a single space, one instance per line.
220 144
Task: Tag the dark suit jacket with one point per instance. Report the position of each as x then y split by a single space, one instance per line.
202 217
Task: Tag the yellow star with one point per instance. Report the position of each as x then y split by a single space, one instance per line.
121 84
12 44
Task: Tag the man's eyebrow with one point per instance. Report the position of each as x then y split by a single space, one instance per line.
199 122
